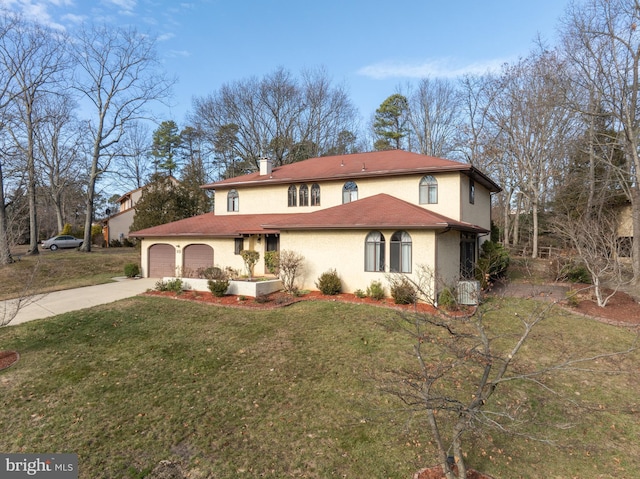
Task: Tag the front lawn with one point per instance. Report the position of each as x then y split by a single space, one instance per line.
291 392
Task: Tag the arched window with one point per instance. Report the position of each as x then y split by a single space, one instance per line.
428 190
304 195
374 252
400 252
292 195
349 192
233 201
315 194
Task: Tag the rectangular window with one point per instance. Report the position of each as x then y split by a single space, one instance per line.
238 246
472 191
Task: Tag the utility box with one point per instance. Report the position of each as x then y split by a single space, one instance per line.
469 292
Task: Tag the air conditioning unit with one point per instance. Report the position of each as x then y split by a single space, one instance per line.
469 292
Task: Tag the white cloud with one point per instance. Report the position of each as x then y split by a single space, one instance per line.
166 36
434 68
37 11
179 53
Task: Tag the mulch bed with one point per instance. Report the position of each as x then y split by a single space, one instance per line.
8 359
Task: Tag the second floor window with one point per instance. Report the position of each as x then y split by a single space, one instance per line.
304 195
349 192
315 194
292 196
472 191
233 201
428 190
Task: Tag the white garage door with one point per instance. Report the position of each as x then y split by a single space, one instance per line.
196 257
162 261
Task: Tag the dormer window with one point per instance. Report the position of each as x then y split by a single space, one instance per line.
428 190
349 192
292 196
233 201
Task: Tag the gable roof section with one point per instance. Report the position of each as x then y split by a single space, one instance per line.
360 165
380 211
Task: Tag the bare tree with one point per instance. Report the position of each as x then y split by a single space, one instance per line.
58 151
534 125
602 42
435 117
463 362
134 166
278 116
35 57
117 76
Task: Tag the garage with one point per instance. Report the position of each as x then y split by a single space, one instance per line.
196 257
162 261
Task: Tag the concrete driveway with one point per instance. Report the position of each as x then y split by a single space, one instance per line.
58 302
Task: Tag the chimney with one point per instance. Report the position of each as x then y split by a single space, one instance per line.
265 166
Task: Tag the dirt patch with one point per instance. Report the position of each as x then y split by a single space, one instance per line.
435 472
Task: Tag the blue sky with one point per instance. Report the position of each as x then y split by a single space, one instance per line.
369 46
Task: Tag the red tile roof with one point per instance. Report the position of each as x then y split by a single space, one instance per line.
360 165
381 211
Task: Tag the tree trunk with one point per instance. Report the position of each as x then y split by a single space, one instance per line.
635 245
31 188
5 252
534 239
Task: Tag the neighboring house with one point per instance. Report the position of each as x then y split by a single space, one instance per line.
364 215
117 224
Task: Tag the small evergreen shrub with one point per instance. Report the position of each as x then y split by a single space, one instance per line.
128 243
492 264
360 294
115 243
446 299
212 272
403 292
272 261
576 273
131 270
329 283
376 291
218 287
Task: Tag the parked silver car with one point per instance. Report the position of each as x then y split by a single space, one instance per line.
62 241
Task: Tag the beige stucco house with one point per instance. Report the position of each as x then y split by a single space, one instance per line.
364 215
117 224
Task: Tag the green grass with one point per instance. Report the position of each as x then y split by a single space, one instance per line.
63 269
293 392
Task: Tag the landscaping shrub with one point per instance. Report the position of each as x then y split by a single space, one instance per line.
575 272
403 292
329 283
115 243
250 259
272 261
492 264
360 294
447 300
376 291
212 272
131 270
218 287
174 285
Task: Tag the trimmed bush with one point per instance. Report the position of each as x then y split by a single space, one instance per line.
272 261
403 292
218 287
360 294
131 270
329 283
447 300
376 291
492 264
174 285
